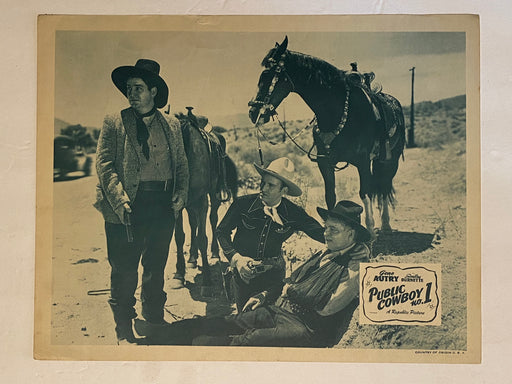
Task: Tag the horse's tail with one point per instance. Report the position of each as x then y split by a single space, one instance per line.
382 183
231 176
226 186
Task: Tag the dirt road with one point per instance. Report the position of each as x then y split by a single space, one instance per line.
430 191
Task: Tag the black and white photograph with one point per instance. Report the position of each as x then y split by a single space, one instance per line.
297 188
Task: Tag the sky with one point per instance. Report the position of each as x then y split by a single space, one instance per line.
217 72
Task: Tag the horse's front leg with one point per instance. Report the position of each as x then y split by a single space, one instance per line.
368 215
214 218
327 171
178 280
202 244
193 222
365 179
385 226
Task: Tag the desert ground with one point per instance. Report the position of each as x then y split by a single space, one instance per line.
429 226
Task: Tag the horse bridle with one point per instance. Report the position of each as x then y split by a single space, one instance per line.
278 68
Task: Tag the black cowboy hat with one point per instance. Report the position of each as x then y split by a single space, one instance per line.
350 213
147 70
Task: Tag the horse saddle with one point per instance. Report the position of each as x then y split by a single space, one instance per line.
217 152
363 82
389 119
388 112
382 109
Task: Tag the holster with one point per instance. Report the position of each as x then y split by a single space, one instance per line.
227 280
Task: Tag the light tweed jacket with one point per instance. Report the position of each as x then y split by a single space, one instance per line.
118 162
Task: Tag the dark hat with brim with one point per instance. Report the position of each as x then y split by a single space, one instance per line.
349 213
147 70
282 169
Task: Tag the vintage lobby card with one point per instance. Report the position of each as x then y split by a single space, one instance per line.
417 153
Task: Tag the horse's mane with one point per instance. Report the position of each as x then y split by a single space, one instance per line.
315 70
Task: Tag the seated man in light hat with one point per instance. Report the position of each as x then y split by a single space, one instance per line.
315 305
263 222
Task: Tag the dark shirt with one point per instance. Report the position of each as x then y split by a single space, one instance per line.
257 236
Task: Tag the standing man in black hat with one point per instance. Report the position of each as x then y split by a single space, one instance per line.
263 222
143 183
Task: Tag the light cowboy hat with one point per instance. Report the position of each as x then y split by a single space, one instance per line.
146 70
282 169
350 213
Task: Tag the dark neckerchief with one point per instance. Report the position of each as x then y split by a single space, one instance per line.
142 131
312 285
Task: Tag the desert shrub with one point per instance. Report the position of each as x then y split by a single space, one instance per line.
245 152
435 131
438 123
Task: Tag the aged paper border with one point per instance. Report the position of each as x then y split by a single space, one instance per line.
43 349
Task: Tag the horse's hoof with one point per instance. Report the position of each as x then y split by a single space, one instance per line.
207 291
386 229
177 283
214 261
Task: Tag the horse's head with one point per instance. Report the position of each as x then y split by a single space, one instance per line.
274 84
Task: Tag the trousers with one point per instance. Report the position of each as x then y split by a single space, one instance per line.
265 326
270 281
153 225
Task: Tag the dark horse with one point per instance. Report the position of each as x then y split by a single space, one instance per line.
213 174
354 124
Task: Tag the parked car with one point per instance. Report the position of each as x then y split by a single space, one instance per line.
68 157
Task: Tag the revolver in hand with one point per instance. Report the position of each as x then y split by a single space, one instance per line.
128 226
257 266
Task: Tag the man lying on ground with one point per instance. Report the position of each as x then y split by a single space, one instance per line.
312 303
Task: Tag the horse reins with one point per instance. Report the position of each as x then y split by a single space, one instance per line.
265 105
317 131
278 68
293 138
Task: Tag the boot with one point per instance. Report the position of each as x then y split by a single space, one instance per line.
124 332
123 320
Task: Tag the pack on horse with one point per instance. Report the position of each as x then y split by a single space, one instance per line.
353 124
212 173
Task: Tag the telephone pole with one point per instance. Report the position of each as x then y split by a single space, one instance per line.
410 132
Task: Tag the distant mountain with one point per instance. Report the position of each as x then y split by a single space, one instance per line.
230 121
457 102
241 120
428 107
435 124
440 122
